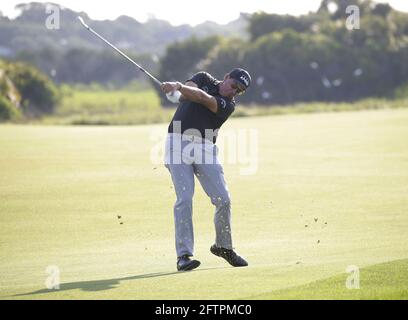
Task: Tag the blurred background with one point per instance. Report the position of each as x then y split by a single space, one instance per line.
301 55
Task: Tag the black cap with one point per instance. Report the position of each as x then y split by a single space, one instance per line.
241 76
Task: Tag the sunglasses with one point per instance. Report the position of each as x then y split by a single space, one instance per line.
240 89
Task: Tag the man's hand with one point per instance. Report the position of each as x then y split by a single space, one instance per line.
171 89
168 87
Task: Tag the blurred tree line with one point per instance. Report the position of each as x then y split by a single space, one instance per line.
71 54
313 57
87 65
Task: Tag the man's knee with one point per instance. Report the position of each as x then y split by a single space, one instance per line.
184 199
222 201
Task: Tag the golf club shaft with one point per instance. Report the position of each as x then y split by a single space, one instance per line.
119 51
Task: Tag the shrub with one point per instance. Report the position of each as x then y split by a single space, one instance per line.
401 92
7 110
39 94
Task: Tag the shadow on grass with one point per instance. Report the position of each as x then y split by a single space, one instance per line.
100 285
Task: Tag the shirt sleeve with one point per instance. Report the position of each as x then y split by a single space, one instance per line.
225 107
201 79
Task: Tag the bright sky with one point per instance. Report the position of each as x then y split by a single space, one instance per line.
185 11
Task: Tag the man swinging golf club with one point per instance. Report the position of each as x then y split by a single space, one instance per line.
205 104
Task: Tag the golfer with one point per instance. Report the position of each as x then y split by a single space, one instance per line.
205 104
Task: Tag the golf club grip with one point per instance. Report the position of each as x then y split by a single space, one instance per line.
124 55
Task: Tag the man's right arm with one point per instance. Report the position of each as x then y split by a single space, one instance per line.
190 91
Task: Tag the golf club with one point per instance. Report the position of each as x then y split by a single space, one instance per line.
171 96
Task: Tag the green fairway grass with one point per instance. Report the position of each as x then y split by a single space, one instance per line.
383 281
98 106
104 107
330 191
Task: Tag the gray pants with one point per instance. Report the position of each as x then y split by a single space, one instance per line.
185 157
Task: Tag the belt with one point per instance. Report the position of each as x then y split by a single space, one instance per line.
191 138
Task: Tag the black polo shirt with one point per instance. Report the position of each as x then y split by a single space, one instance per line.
193 115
